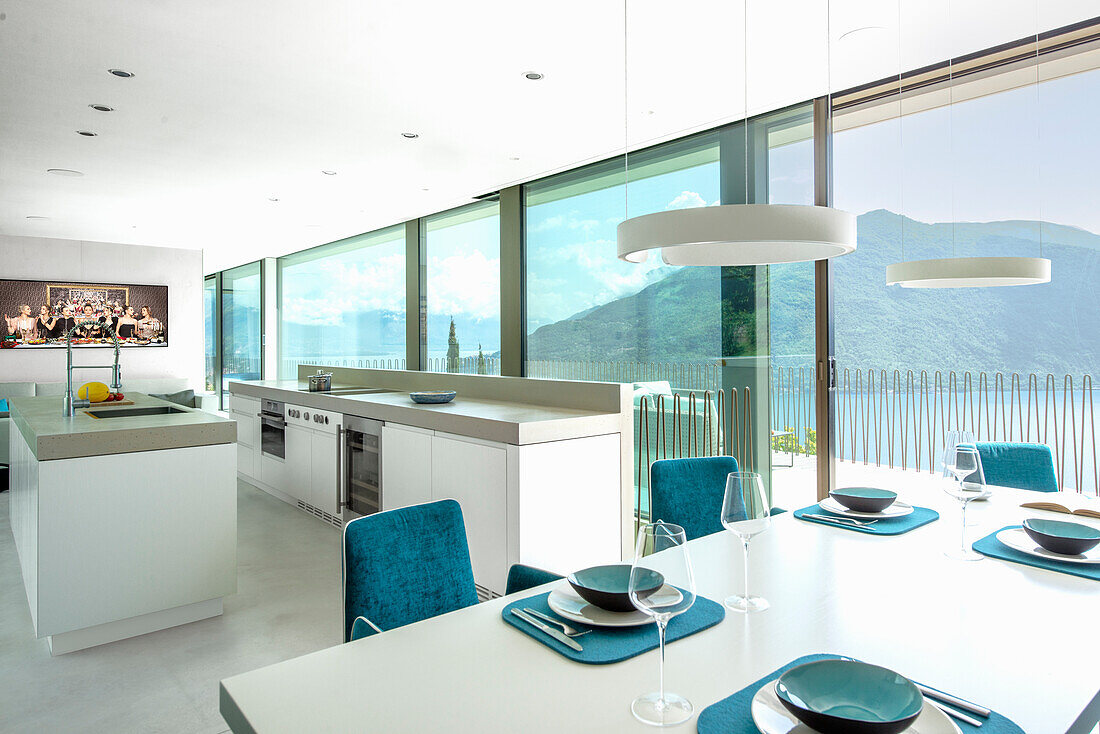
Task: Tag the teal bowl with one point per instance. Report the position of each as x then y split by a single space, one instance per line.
433 397
608 587
1059 536
847 696
864 499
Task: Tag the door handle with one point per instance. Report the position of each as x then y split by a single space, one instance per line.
341 498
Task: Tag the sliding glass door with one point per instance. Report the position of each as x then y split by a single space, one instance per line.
241 325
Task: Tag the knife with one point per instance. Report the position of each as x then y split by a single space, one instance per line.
842 522
952 712
556 634
953 700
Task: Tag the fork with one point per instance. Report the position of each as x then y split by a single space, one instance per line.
842 520
567 630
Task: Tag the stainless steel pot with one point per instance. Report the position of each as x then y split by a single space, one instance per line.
320 382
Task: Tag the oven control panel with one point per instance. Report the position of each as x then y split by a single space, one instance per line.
318 420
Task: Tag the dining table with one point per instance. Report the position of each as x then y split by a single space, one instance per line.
1014 638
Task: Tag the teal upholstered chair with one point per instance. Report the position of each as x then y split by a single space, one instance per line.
1019 465
405 565
689 492
521 578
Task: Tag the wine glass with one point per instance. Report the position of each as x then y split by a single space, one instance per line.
745 513
661 549
965 464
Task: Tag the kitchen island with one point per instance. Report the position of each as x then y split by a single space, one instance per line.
124 517
531 461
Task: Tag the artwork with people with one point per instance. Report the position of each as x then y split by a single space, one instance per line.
43 313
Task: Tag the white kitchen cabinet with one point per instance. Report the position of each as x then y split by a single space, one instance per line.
324 456
476 474
245 411
406 466
299 452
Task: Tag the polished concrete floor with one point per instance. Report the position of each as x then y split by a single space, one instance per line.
287 604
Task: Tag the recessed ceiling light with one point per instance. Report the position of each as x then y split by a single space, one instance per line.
410 136
64 172
329 173
533 76
101 108
425 189
86 133
513 158
122 73
37 218
272 199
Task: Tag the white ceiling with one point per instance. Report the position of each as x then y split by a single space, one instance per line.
234 103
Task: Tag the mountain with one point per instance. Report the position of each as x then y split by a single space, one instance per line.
1054 327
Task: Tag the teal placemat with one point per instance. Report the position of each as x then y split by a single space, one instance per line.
605 645
990 546
886 526
733 715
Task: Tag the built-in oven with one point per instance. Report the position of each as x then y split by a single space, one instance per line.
360 479
273 428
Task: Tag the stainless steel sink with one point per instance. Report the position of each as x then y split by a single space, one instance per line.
134 412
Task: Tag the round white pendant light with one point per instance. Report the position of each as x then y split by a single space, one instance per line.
739 234
969 272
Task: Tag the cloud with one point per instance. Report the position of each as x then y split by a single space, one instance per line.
465 283
323 292
686 200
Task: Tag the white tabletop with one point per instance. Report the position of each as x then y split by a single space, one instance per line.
1017 639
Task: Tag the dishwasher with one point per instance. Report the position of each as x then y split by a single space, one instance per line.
361 467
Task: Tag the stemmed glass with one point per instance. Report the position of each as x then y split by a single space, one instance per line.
745 513
963 464
661 549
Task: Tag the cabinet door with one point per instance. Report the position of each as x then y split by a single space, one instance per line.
246 460
248 434
299 460
323 476
476 475
406 466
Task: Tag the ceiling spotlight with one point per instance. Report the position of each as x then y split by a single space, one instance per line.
64 172
122 73
272 199
329 173
101 108
86 133
513 158
533 76
37 218
425 189
410 136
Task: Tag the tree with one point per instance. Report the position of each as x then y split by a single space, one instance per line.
481 361
452 349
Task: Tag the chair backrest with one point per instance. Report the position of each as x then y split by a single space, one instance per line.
1019 465
689 492
405 565
522 578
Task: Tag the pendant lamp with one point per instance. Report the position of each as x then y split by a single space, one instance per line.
738 234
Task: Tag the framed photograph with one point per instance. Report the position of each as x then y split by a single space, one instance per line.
42 314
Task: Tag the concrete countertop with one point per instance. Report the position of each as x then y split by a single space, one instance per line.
51 435
492 420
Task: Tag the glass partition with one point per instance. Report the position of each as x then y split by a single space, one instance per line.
241 325
210 330
461 299
344 304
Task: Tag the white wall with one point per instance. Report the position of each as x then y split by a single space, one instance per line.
40 258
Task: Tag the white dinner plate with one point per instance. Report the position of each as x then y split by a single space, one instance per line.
1017 539
771 718
568 604
898 509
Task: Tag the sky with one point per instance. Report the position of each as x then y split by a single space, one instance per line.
1030 153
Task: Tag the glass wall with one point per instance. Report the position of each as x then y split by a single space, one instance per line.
210 329
344 304
461 299
593 316
1006 169
242 326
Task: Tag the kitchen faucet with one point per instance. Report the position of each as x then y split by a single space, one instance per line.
70 404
